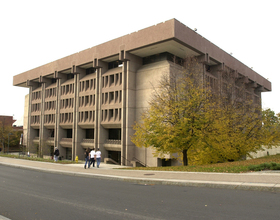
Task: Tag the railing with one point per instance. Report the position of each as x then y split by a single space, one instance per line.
112 161
126 160
66 139
90 141
142 163
110 141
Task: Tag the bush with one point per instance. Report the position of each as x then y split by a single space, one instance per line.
264 166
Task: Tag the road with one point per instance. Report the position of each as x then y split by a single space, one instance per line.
28 194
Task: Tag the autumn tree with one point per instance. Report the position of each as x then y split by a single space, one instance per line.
8 136
271 128
237 127
177 113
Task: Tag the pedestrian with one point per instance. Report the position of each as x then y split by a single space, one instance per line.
92 159
86 157
56 154
98 157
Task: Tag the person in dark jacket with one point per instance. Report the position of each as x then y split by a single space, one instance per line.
87 158
56 154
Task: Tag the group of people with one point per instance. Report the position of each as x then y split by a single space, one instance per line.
91 156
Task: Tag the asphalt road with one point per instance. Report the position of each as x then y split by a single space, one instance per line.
28 194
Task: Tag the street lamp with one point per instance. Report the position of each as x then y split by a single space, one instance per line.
9 142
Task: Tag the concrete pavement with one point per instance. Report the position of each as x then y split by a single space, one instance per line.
263 181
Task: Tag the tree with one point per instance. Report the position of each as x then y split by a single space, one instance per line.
177 113
8 136
237 126
205 122
271 128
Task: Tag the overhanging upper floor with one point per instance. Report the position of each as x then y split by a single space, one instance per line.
170 36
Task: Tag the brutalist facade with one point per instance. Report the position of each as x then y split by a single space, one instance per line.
91 99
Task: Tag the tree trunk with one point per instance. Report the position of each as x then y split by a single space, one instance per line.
185 157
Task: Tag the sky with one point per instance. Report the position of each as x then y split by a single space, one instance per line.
34 33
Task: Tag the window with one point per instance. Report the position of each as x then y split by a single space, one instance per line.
111 80
115 134
111 97
69 133
89 133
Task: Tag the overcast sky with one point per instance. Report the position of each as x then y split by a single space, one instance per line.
35 32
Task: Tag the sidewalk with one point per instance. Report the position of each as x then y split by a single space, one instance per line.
263 181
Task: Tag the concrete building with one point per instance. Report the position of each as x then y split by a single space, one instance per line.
92 98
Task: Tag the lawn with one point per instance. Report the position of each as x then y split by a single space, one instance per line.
229 167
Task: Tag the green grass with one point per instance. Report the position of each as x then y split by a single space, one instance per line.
229 167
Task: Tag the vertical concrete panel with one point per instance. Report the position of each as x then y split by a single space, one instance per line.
59 132
78 133
147 78
132 65
102 133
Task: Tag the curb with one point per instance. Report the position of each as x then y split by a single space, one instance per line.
145 181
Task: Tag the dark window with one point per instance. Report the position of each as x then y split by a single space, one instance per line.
90 70
163 56
115 134
114 64
51 132
69 133
89 133
70 76
37 132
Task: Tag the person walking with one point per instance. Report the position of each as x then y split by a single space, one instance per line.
98 157
86 157
92 159
55 154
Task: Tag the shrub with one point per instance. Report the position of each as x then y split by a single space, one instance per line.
264 166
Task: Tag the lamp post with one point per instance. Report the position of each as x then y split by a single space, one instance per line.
9 142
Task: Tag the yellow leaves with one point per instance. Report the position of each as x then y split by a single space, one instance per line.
184 116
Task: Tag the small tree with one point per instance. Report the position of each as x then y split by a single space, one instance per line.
8 136
271 128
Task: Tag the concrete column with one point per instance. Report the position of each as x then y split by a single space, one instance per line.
101 134
78 133
44 148
31 134
59 132
131 64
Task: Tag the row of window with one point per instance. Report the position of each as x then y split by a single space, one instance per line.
67 89
112 97
111 115
51 92
51 105
87 85
36 95
88 100
36 107
35 119
112 80
66 117
211 82
67 103
50 118
86 116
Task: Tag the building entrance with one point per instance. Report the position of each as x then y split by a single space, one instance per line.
115 155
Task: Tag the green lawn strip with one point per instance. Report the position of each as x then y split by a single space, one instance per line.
229 167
